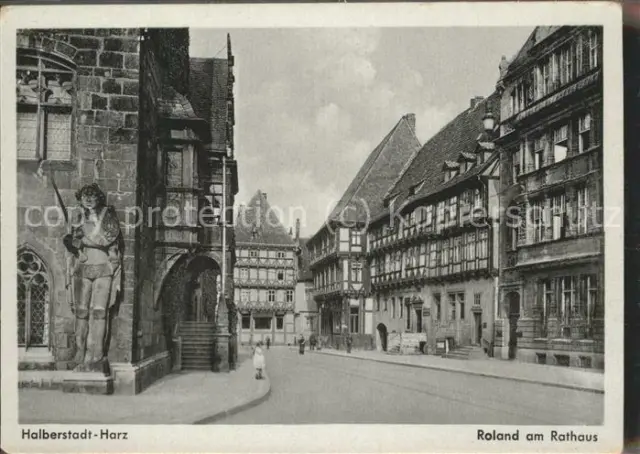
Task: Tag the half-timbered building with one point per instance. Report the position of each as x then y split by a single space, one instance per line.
552 301
338 250
432 250
265 275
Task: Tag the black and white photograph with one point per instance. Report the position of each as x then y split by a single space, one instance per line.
312 225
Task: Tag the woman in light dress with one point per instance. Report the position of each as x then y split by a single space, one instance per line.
258 360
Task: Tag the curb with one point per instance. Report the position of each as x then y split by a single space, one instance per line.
253 402
479 374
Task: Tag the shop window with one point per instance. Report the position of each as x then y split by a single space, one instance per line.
354 319
262 322
246 321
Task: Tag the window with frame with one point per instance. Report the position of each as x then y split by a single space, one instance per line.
253 253
537 220
244 295
470 253
280 276
246 321
515 165
568 298
558 213
407 305
483 244
440 215
461 305
477 299
584 132
566 65
547 304
354 320
582 200
452 306
280 255
271 296
33 300
591 287
437 306
356 238
289 296
45 99
393 307
560 143
593 45
279 322
453 210
262 322
386 304
356 272
537 148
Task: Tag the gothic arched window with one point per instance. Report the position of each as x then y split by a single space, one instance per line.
44 89
33 300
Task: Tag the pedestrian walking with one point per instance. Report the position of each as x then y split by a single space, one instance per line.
349 343
258 360
312 341
301 344
268 342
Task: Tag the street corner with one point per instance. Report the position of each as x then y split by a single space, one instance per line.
257 392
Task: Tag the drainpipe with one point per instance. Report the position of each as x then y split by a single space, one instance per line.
224 232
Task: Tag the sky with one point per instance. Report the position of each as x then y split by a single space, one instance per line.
311 104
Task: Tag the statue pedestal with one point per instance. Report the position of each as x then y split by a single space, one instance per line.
89 379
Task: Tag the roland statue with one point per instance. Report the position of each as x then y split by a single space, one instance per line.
95 244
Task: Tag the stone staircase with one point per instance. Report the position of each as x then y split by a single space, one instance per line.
466 352
197 345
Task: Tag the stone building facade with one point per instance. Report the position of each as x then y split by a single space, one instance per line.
265 275
433 251
552 295
114 107
338 251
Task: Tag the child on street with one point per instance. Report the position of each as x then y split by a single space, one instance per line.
258 360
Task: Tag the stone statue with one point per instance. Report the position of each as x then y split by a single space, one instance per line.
96 246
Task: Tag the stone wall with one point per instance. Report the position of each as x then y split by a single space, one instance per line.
104 150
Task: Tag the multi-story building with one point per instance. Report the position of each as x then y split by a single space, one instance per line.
126 109
265 275
432 250
306 311
338 250
551 307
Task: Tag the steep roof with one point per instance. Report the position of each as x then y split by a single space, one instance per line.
460 136
537 35
364 196
304 272
208 93
258 224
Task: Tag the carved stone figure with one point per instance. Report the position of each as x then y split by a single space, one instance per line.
96 246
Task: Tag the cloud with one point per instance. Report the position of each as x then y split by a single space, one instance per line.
431 119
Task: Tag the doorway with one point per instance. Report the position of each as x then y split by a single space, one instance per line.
477 319
418 320
513 304
382 336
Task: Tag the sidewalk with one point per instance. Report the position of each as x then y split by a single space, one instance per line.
561 377
181 398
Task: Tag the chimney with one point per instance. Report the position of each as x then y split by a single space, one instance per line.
297 229
475 101
411 119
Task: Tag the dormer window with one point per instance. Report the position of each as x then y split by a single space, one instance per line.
451 170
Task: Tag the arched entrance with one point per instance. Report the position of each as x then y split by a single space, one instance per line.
382 337
188 297
512 300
